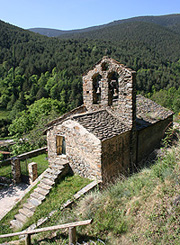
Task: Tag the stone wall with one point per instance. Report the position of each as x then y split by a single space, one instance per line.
116 156
150 137
126 88
83 149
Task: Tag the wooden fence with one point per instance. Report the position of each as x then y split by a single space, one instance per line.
70 226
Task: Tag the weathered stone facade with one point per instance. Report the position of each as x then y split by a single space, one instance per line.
148 138
110 133
83 149
115 85
116 159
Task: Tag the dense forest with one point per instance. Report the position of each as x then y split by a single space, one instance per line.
171 21
34 67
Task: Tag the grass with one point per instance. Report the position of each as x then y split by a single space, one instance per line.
41 160
141 209
59 194
5 171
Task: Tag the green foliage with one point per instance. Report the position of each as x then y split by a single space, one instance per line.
1 156
168 98
4 124
4 114
29 125
33 67
35 112
5 171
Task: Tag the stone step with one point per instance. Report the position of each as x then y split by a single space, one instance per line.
38 196
26 212
50 176
20 217
61 161
29 206
34 201
53 171
16 224
41 191
56 166
47 181
44 186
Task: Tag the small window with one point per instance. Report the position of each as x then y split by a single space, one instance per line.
60 145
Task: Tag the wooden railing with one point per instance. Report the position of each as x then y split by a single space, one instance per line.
70 226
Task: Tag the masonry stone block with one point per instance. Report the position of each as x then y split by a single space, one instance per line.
33 174
16 170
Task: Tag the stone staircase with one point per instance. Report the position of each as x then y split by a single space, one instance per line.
51 176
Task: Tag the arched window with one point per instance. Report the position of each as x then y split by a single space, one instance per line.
113 87
96 88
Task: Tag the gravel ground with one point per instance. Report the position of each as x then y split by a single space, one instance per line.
9 196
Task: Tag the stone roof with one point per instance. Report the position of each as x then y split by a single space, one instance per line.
102 124
107 123
60 119
148 112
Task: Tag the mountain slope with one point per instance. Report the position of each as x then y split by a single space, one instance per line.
170 21
36 54
153 51
156 38
48 32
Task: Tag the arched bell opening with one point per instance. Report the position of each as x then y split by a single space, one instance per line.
113 87
96 88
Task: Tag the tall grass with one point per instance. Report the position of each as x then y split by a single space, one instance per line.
138 209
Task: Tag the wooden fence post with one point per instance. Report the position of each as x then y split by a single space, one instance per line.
71 226
28 239
72 235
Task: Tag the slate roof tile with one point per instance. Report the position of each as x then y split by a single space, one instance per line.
102 124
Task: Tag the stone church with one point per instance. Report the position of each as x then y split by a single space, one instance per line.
113 130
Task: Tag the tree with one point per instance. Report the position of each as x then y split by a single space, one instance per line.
42 93
29 125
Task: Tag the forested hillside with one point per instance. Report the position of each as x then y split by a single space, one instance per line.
33 67
170 21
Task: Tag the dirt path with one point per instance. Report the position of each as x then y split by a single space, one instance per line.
9 196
